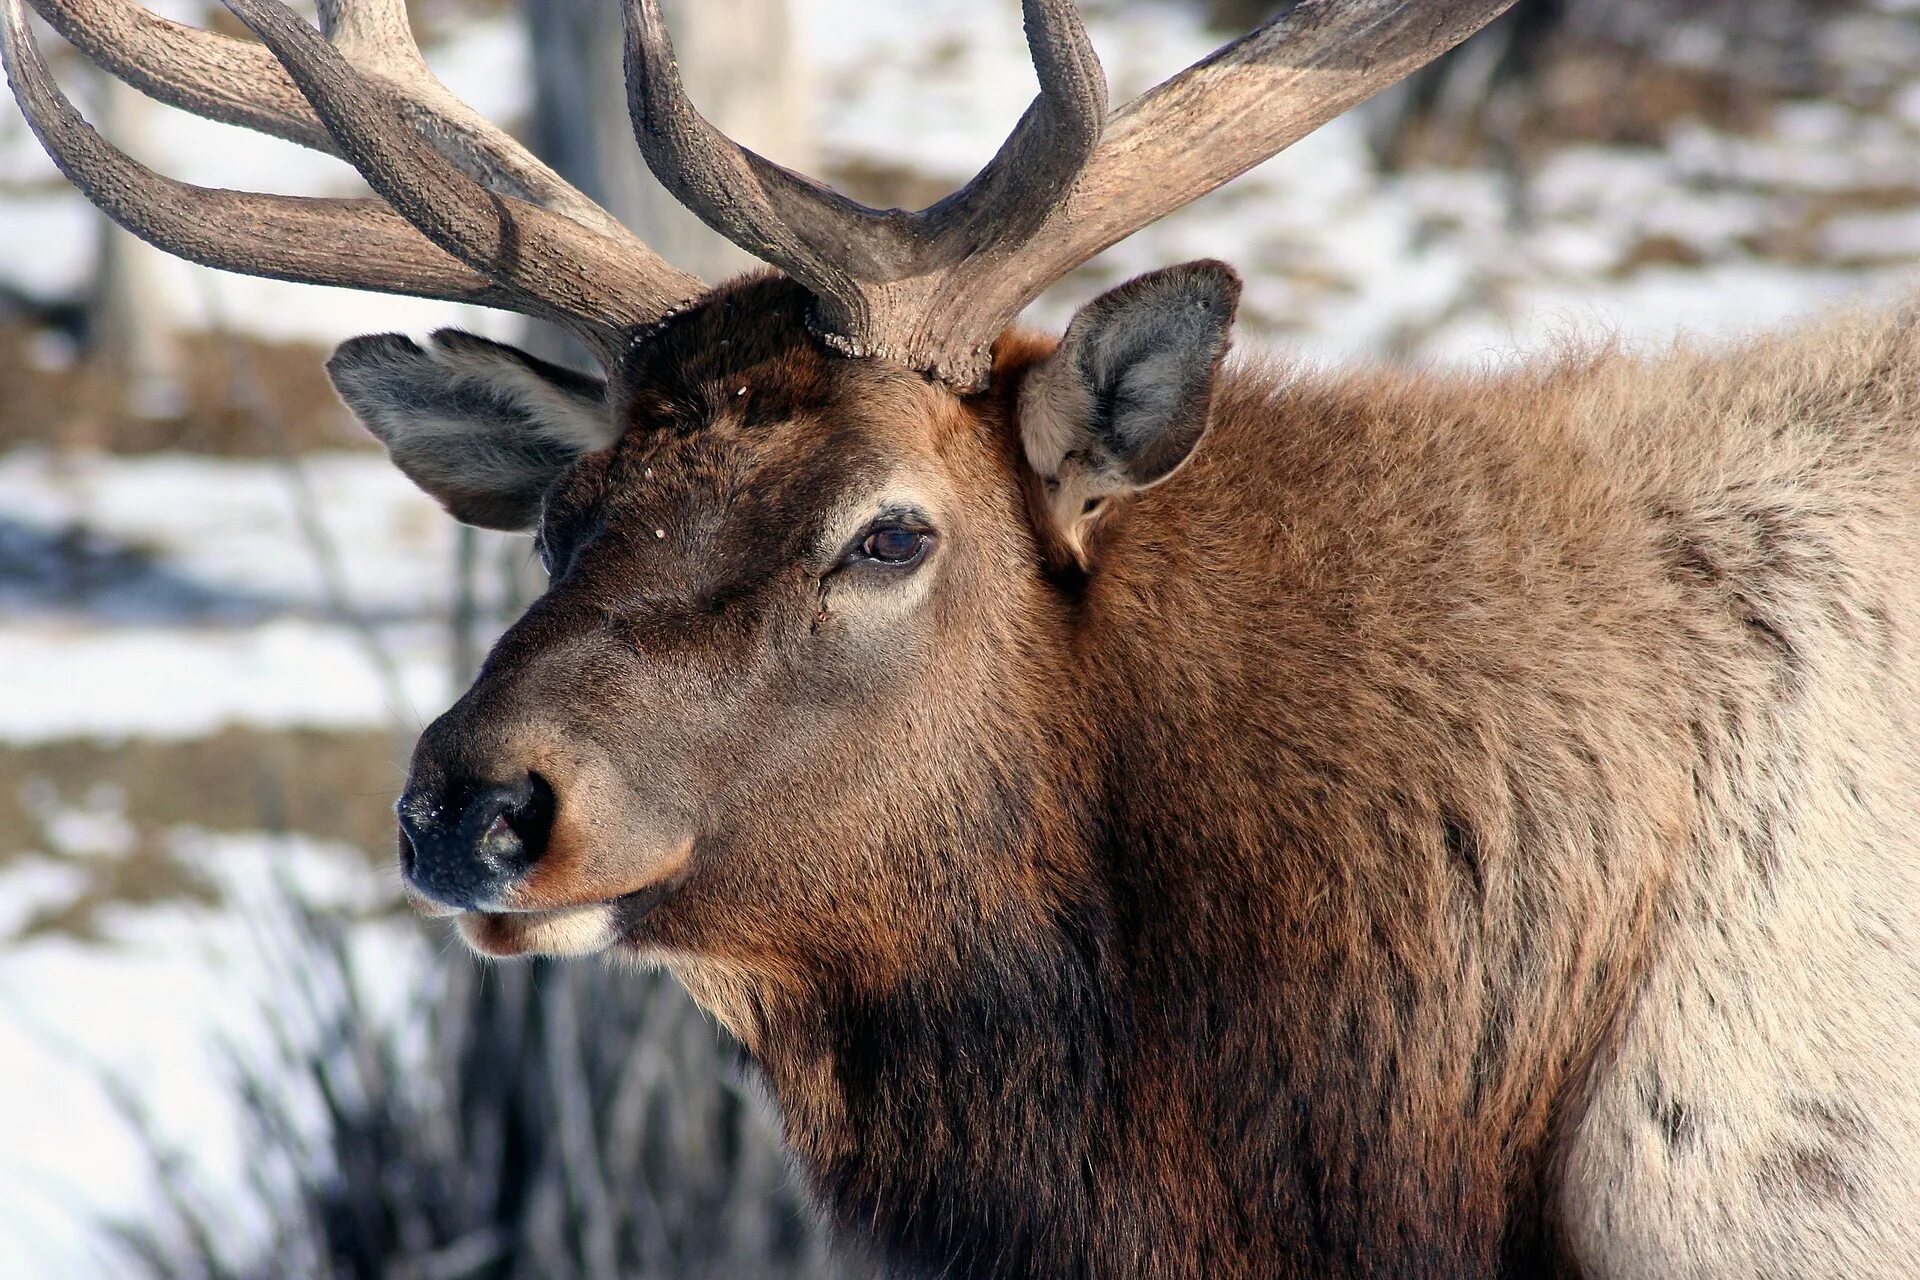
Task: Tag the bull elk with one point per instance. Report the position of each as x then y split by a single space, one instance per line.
1144 816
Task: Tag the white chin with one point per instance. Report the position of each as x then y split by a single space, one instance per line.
570 931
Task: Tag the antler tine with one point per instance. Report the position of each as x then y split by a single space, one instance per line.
1243 103
596 283
929 289
351 243
370 32
454 182
377 38
868 267
813 233
238 82
1038 164
210 75
933 289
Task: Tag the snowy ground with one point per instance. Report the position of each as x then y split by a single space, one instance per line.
194 600
162 597
166 597
150 1011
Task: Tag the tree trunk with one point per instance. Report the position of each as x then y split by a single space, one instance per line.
739 63
133 327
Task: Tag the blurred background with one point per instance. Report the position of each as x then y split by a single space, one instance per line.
224 1048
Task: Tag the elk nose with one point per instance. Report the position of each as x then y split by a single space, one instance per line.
464 845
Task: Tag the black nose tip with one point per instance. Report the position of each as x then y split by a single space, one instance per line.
463 845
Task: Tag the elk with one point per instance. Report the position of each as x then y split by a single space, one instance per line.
1143 815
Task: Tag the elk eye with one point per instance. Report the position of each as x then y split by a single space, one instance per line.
894 544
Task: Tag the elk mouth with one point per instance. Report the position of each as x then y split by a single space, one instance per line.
563 924
580 929
584 929
566 931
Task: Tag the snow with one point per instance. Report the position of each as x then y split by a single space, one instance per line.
166 597
173 683
34 884
1351 262
228 524
48 243
1714 300
150 1011
215 607
1872 237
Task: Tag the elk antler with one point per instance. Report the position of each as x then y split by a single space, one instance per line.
845 252
933 289
469 214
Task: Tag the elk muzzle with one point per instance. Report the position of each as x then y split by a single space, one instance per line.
523 826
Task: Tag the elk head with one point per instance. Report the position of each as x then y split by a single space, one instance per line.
800 638
807 682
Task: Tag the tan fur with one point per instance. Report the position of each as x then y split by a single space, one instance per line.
1071 494
1744 530
1454 825
1777 1029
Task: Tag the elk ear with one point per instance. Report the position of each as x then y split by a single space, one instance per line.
1123 400
484 428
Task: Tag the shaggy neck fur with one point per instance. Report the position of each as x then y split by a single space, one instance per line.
1400 715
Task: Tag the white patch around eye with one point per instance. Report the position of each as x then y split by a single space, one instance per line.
854 515
849 521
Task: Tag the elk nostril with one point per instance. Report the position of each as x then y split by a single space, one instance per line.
466 843
531 821
500 847
509 825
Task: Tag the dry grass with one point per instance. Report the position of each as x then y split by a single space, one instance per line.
333 786
555 1122
50 400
